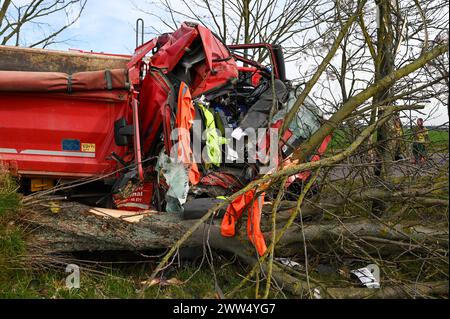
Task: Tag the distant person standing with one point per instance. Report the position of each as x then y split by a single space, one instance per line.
399 149
421 139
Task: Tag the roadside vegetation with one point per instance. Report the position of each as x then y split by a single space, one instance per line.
117 282
111 279
342 138
126 275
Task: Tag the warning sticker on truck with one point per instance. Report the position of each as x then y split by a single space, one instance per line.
71 145
88 148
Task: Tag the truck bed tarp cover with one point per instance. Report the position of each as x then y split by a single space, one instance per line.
17 81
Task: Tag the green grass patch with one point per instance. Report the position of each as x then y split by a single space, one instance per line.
439 138
120 283
11 238
342 138
9 198
11 242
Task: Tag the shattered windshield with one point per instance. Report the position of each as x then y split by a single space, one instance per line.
308 119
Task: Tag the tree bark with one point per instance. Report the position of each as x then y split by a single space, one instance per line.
384 65
76 229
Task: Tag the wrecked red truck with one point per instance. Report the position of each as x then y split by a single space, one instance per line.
183 123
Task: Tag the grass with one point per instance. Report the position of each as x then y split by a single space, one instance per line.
439 138
9 198
11 241
342 139
118 283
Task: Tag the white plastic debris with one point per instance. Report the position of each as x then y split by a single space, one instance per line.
289 263
317 294
177 179
232 155
369 276
238 134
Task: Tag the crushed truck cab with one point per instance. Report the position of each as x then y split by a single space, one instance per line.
133 122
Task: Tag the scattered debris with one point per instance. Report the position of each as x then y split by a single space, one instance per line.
55 207
177 179
317 294
289 263
369 276
162 282
131 217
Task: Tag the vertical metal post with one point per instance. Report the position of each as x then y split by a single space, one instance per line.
139 23
137 139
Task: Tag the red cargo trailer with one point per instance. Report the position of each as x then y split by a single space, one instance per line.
61 135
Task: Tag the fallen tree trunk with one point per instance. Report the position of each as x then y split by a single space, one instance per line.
368 229
78 228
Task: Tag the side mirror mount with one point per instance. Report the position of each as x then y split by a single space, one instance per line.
122 132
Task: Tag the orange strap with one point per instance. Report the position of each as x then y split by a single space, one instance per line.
234 213
184 121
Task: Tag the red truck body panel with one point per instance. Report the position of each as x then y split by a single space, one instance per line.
61 135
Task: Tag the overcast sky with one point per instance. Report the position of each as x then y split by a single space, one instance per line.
105 26
109 26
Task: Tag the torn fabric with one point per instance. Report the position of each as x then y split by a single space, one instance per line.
184 122
234 212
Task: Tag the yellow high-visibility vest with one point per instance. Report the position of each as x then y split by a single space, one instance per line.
214 142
